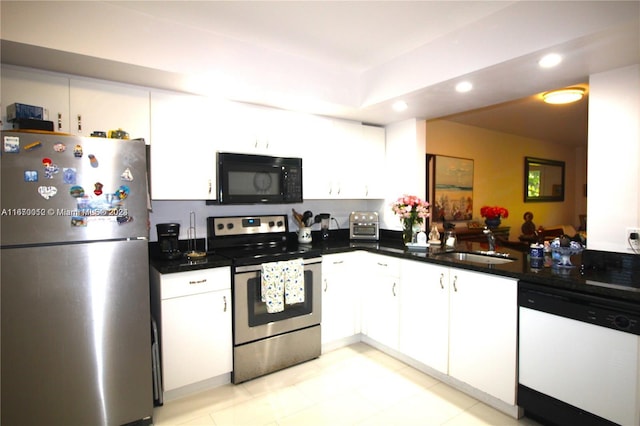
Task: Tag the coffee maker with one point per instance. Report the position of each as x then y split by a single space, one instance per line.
168 240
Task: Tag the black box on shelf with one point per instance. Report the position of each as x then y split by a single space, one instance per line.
31 124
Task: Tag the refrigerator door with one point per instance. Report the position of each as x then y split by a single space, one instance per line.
76 343
71 189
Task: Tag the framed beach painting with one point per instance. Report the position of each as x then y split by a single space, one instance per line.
450 188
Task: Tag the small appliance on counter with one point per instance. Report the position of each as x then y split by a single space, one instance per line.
364 226
168 239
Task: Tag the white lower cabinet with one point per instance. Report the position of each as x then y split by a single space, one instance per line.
196 326
340 297
381 299
483 332
424 314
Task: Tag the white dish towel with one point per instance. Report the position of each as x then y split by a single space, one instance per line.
282 282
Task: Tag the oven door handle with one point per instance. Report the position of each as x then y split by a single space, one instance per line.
254 268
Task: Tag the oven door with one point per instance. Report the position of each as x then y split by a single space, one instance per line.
251 319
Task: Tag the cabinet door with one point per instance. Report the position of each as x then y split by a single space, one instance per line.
372 158
381 296
31 87
424 314
483 327
318 157
196 338
96 106
340 297
183 146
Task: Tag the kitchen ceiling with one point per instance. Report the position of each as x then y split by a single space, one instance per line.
349 59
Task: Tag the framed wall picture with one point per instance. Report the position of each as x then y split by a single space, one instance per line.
450 188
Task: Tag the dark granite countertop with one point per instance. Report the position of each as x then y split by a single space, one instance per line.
593 274
183 264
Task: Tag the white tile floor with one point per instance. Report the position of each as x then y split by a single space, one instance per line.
355 385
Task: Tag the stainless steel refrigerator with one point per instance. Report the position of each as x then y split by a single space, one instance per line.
75 318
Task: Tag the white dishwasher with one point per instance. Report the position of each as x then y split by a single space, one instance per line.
579 357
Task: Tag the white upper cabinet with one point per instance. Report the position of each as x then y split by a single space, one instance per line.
252 129
46 90
346 161
183 147
98 106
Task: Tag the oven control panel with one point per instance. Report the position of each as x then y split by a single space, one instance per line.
249 225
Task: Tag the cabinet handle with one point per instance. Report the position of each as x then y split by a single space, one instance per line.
204 280
393 289
79 123
209 186
441 278
224 299
59 121
255 145
455 279
383 264
325 285
337 262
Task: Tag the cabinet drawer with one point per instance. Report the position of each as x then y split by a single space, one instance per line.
195 282
384 265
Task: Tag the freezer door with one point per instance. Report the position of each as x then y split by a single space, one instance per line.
66 188
76 343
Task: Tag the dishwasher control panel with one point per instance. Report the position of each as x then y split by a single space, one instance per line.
588 308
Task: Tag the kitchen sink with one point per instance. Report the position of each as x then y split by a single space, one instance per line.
483 258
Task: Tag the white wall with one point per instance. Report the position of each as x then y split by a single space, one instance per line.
613 182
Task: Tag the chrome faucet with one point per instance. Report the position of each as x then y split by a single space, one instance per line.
491 239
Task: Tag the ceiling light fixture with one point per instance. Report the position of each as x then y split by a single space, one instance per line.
563 96
399 106
463 87
550 60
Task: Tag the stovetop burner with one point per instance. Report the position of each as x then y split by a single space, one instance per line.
255 239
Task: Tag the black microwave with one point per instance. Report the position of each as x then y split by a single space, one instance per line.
258 179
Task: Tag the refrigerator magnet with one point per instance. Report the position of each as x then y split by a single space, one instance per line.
78 221
59 147
69 175
77 151
46 161
97 188
76 191
124 219
32 146
93 160
122 192
47 191
12 144
127 175
30 175
51 170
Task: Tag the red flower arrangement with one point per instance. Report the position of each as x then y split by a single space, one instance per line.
494 212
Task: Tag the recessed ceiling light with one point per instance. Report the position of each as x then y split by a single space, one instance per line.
550 60
463 86
399 106
563 96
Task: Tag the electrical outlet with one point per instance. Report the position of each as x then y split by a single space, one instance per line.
633 239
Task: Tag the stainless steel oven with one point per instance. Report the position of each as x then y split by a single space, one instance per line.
266 342
264 339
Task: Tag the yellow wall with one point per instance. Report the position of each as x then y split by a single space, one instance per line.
499 172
